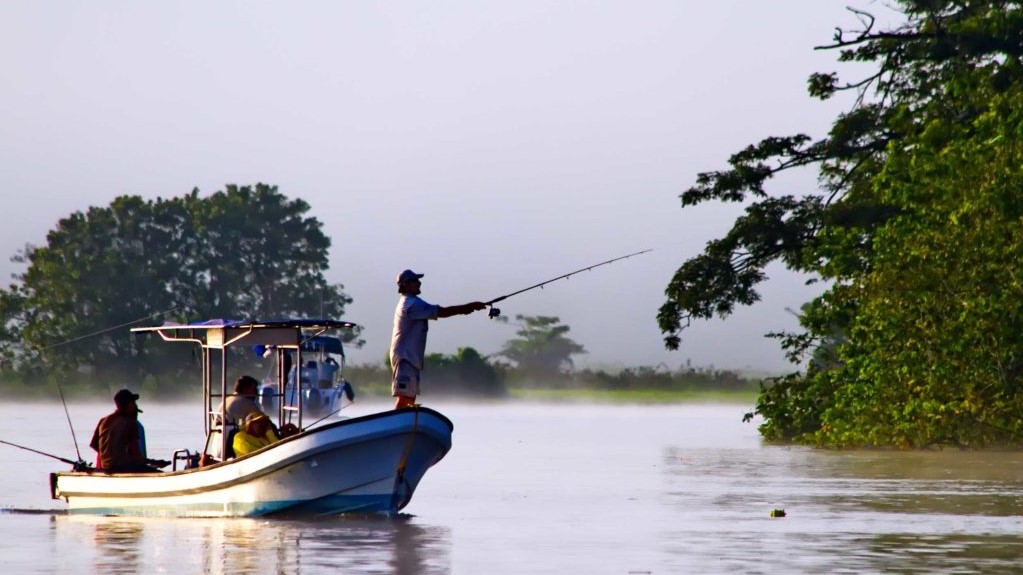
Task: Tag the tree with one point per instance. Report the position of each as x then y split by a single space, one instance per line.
466 373
942 360
240 253
542 346
100 269
917 283
269 257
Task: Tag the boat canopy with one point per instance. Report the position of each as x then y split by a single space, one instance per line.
216 336
223 333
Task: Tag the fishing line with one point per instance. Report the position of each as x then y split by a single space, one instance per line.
102 331
349 393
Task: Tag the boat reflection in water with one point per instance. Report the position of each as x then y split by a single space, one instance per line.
369 543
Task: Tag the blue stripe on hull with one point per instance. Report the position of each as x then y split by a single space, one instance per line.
336 504
330 505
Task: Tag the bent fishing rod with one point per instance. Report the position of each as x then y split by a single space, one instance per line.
494 312
79 465
74 438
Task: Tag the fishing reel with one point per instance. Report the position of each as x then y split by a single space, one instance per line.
494 312
81 466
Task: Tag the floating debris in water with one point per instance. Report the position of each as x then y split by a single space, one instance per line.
777 513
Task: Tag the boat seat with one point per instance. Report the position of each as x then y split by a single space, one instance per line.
213 443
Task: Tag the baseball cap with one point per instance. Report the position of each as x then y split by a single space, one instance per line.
254 416
407 276
124 397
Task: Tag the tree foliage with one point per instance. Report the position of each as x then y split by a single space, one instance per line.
244 252
915 227
542 346
464 373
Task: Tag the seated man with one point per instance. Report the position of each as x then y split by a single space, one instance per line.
255 433
243 402
117 440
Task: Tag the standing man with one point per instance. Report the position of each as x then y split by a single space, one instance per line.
408 340
116 439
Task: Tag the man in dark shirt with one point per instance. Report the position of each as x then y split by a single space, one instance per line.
116 438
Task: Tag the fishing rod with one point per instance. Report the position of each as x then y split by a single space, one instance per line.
79 465
494 312
74 438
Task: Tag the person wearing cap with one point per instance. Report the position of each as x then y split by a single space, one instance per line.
408 338
254 434
117 439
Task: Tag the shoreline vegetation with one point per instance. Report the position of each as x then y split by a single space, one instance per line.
636 396
647 386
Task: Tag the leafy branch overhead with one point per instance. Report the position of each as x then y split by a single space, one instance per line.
928 146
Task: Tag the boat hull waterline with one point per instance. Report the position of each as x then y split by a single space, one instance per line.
369 464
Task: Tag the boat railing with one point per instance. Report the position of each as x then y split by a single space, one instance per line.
188 458
215 337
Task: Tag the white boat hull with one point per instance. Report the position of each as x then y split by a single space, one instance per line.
366 464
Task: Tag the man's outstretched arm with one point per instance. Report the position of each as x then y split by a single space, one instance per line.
464 309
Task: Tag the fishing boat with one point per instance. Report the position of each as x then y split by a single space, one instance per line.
371 463
318 380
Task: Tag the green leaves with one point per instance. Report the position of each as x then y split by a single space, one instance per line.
938 322
542 345
917 224
464 373
245 252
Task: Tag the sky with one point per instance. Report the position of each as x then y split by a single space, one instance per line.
488 145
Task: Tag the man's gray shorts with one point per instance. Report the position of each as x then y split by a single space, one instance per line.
405 380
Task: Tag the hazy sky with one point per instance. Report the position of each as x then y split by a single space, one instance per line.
489 145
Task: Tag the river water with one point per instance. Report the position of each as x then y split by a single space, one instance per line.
554 488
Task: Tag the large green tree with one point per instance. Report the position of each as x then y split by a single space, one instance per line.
269 257
542 346
915 226
244 252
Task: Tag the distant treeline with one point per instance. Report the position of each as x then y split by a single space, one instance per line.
465 374
469 374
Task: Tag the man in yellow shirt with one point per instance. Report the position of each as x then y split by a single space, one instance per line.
255 433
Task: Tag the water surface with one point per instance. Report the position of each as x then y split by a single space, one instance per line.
567 488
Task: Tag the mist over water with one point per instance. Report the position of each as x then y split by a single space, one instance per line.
556 488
